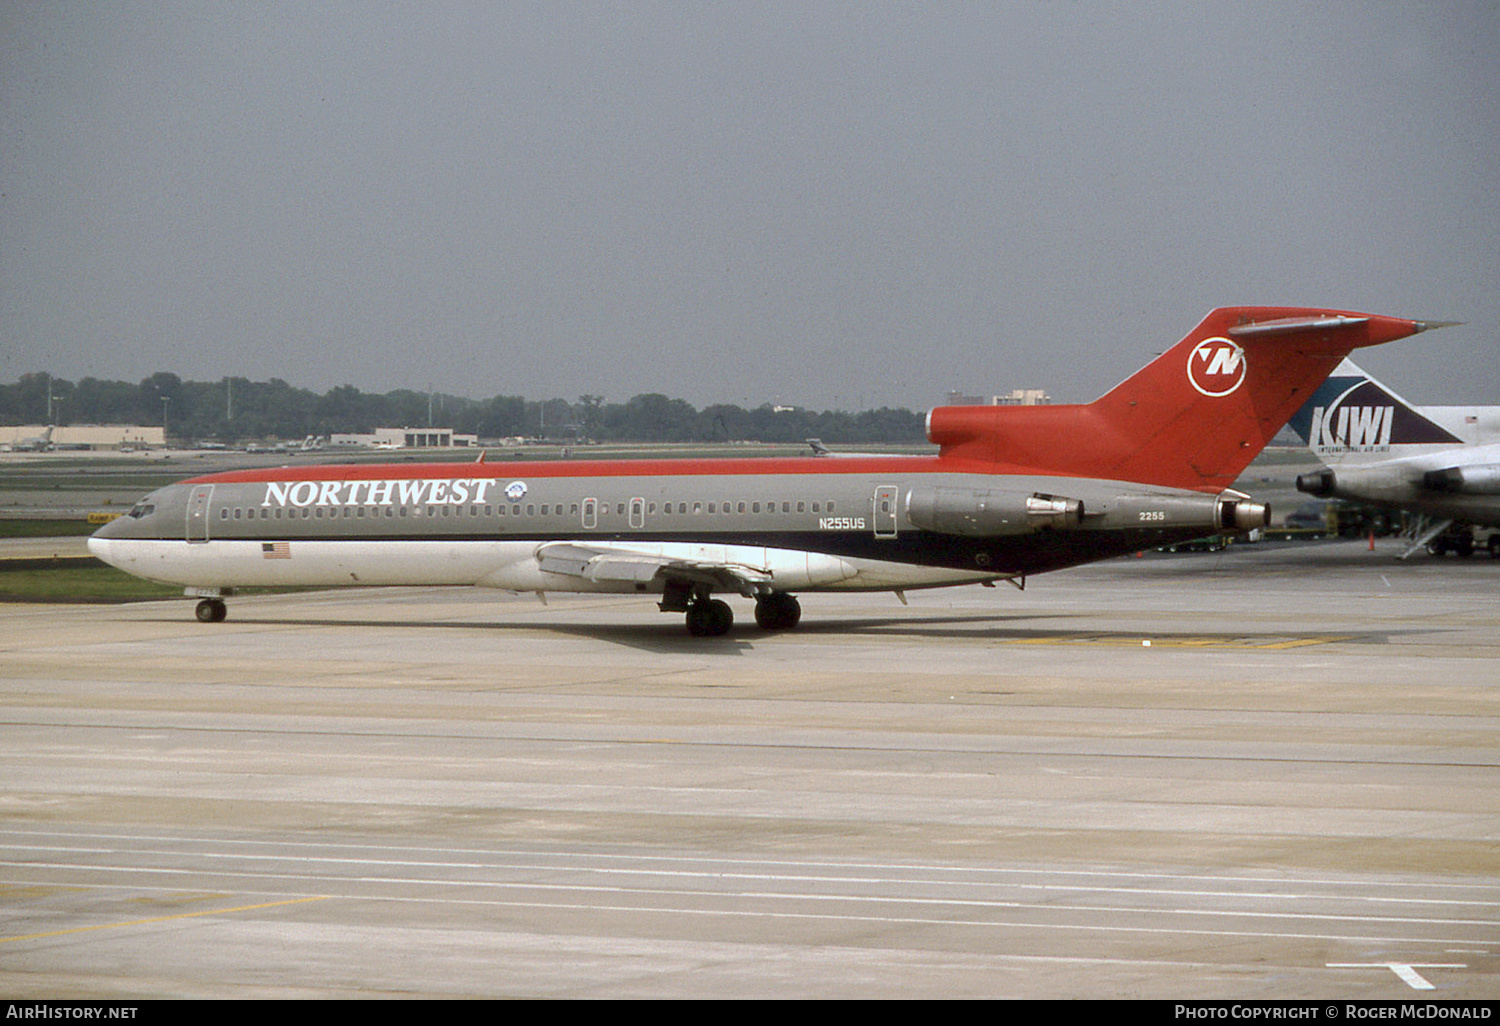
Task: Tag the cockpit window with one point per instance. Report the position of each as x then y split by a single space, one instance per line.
142 509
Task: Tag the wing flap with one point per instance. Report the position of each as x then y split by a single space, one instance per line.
611 565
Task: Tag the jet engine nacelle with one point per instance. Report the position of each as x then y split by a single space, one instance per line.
1228 511
1320 483
1238 513
985 513
1379 483
1466 480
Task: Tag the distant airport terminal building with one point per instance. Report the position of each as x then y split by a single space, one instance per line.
404 438
1016 397
84 436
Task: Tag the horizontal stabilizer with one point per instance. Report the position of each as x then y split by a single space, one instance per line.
1292 325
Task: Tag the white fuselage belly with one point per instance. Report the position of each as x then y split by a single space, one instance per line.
508 565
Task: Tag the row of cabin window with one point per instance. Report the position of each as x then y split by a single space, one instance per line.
316 512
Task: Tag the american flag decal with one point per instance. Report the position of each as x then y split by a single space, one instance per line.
275 550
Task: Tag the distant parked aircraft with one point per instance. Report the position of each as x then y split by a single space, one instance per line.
43 443
1441 462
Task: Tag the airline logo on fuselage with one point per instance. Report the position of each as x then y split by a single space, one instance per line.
393 492
1216 367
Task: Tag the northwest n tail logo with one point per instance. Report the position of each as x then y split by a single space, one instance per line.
1216 367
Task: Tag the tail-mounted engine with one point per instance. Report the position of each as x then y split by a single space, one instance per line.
988 513
1483 480
1237 513
985 513
1320 483
1227 511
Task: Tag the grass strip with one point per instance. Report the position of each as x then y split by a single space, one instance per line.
76 581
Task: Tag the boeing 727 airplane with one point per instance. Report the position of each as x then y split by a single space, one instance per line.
1013 491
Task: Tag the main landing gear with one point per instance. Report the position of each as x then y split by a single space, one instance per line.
708 617
211 610
777 611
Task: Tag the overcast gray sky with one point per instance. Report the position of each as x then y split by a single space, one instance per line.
840 205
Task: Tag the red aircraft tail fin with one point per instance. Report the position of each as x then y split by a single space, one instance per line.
1192 418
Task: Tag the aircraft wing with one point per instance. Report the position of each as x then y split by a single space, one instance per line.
608 563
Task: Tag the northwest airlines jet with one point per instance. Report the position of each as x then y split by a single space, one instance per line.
1013 491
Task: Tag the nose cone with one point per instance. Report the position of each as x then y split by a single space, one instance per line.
109 542
119 527
99 546
105 540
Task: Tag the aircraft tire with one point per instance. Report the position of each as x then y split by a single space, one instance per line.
709 618
777 611
211 611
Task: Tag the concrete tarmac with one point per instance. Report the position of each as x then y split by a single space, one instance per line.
1268 773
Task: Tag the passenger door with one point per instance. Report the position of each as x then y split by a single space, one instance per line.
883 511
197 512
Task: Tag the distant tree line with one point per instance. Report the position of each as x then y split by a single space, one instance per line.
237 410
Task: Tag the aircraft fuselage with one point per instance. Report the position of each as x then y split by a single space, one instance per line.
808 524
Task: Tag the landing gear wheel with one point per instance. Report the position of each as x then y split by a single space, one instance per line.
709 618
211 610
777 611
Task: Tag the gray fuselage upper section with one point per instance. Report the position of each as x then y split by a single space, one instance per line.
842 510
